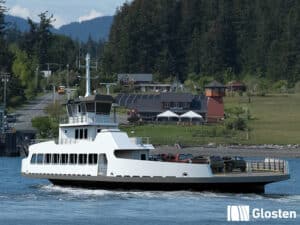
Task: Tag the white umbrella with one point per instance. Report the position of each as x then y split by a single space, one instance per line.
167 114
191 115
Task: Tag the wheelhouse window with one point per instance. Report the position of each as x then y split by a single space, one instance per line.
82 159
76 134
73 158
85 133
40 158
33 159
81 133
93 159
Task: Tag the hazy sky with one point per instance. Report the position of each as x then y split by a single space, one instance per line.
64 11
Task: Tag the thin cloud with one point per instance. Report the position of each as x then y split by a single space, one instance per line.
93 14
20 11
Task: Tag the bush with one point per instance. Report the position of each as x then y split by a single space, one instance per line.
236 124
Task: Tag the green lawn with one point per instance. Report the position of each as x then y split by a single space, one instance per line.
276 120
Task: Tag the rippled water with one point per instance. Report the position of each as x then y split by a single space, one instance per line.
30 201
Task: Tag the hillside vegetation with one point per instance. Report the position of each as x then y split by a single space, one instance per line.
224 39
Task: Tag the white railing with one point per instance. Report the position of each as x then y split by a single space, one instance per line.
103 119
268 165
66 141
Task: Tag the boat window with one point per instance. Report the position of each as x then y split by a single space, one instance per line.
81 133
82 158
143 156
85 133
93 158
103 108
39 159
55 158
64 158
73 158
90 107
76 134
98 130
33 159
48 158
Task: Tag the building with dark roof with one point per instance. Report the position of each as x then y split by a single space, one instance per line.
150 105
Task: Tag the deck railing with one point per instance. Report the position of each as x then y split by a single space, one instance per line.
268 165
87 119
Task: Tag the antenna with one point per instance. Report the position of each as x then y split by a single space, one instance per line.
88 75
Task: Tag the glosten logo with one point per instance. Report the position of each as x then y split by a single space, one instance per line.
242 213
238 213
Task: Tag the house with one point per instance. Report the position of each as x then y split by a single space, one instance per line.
150 105
236 86
138 78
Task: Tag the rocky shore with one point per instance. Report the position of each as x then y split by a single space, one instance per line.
274 151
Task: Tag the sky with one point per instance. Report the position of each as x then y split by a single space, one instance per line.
64 11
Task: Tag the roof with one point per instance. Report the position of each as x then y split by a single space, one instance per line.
137 77
175 97
168 114
191 114
215 84
235 84
94 98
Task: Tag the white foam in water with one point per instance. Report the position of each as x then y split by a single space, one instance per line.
85 193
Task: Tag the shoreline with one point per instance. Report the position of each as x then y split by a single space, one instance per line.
243 151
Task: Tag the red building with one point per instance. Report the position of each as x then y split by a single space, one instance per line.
215 105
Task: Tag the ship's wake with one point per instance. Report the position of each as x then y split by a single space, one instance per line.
79 193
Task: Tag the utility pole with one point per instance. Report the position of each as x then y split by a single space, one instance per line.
4 78
68 74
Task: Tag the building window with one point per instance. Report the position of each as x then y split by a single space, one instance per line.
64 158
40 158
55 158
47 158
82 159
93 158
73 158
33 159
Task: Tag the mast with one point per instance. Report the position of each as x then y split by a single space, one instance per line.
88 75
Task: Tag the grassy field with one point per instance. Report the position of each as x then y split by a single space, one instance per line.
275 120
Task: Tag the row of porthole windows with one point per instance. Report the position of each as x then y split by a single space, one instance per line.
48 158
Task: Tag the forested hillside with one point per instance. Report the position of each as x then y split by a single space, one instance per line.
225 39
25 55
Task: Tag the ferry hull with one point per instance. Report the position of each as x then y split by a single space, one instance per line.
236 183
224 187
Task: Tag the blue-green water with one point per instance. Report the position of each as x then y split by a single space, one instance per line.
29 202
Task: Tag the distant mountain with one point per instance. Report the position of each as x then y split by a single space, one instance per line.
17 22
97 28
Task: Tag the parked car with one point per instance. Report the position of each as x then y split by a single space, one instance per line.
233 163
179 157
11 118
216 164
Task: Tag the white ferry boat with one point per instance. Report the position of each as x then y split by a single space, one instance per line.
91 152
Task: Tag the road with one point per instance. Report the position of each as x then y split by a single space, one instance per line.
32 109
